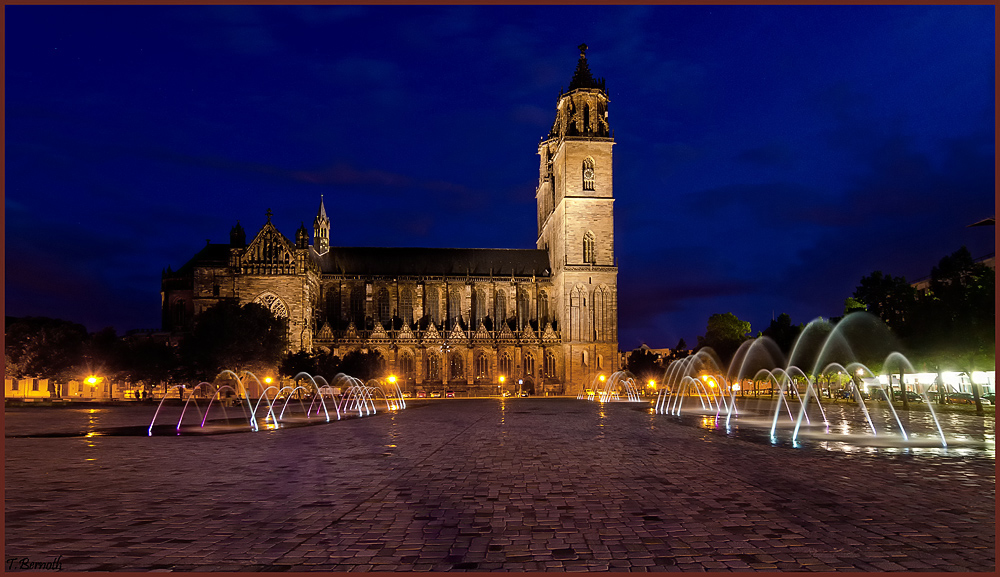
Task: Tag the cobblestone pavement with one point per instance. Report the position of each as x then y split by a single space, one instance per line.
480 485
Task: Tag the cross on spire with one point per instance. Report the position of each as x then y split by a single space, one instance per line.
268 213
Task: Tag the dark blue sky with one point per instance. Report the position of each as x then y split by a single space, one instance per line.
767 158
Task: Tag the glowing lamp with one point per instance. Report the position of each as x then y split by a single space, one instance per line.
91 380
601 378
267 380
501 379
392 379
736 387
652 383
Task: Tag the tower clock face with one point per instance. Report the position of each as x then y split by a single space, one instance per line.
588 174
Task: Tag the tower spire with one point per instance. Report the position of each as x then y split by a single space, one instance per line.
321 230
582 78
583 109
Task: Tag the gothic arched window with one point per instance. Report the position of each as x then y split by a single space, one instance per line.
589 254
505 367
179 313
543 309
576 316
602 314
333 304
406 366
433 307
433 368
455 306
482 366
358 306
272 303
478 307
523 308
550 364
406 306
529 365
500 308
588 174
457 368
384 312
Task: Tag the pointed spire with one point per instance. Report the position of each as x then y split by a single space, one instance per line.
582 78
237 236
321 229
302 237
322 209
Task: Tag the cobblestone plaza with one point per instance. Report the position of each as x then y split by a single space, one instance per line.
486 484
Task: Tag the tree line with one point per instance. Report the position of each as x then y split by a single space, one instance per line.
225 336
950 324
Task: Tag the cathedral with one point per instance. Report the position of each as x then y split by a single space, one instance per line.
543 320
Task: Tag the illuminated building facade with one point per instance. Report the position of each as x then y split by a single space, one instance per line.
544 319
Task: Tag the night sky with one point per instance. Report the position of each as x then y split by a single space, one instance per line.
766 158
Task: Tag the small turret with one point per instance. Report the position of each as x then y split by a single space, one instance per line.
321 230
302 237
237 236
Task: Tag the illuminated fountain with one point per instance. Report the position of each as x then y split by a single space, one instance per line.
263 405
791 408
606 389
363 397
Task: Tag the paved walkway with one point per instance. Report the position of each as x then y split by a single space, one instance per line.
452 485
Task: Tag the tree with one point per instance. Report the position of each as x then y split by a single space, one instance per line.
853 305
956 318
724 334
230 336
643 364
783 333
363 366
44 347
298 362
327 364
149 362
105 353
887 297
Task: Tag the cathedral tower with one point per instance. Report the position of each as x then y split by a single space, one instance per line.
321 230
576 227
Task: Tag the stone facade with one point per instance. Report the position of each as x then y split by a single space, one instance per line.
544 319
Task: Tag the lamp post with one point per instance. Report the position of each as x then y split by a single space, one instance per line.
92 380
